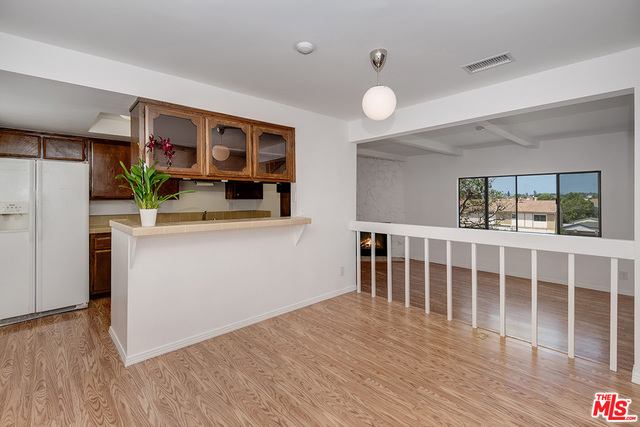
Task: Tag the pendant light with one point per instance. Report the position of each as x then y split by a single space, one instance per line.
220 152
379 102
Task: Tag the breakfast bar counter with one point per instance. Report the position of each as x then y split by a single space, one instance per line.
179 283
133 227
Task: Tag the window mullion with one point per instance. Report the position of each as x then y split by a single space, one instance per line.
486 202
558 219
517 219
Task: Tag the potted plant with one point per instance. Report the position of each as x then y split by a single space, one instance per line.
145 181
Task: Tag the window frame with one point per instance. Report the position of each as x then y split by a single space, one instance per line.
558 211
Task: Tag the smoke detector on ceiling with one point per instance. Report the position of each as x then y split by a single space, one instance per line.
487 63
305 48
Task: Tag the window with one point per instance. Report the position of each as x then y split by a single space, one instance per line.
501 196
580 203
473 202
558 203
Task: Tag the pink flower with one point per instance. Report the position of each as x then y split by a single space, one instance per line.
164 144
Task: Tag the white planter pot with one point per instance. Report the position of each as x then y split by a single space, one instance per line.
148 217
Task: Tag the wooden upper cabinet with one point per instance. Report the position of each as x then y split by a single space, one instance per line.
105 165
106 156
228 148
64 148
184 131
210 145
243 190
273 155
17 143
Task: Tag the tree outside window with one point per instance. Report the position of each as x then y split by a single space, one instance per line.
473 209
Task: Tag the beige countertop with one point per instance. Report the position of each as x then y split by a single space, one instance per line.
100 229
133 227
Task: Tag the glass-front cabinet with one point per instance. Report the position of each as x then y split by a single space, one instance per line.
184 132
228 148
273 157
208 145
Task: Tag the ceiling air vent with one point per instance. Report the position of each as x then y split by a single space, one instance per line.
494 61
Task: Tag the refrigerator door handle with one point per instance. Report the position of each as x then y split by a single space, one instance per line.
32 210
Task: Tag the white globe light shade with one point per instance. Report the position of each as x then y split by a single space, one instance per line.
220 152
379 102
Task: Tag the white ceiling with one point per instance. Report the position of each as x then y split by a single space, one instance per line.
38 104
599 117
248 45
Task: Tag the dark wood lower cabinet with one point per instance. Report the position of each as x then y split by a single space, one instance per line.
99 264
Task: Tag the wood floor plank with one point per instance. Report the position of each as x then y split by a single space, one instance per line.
592 308
352 360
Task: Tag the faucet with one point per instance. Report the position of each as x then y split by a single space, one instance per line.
204 215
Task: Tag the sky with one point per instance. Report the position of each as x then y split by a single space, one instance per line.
579 183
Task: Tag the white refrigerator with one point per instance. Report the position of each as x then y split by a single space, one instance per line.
44 237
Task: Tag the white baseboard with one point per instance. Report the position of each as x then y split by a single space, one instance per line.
635 374
129 360
116 342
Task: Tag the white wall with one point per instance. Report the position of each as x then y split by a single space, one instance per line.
205 198
325 162
380 195
431 192
214 296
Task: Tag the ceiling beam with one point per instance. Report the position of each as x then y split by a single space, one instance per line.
364 152
436 147
497 130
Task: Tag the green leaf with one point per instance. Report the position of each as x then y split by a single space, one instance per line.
145 182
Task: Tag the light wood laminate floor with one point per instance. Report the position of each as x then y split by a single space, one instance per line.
592 307
348 361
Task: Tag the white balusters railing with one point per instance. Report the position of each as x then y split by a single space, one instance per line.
407 273
571 336
389 268
449 283
534 298
358 261
474 286
427 279
572 246
613 317
503 295
373 265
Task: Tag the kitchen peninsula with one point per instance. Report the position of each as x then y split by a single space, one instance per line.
179 283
